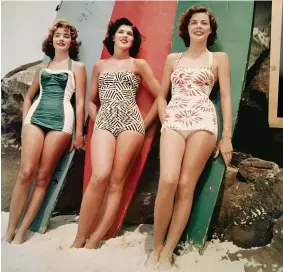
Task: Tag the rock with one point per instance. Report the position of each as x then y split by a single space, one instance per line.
269 257
279 176
277 241
260 43
247 210
253 169
22 68
262 14
238 157
14 89
260 82
230 177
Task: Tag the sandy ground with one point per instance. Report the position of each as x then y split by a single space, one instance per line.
127 252
51 252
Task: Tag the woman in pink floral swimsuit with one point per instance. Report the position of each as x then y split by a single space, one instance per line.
189 127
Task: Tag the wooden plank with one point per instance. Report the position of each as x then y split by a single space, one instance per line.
275 107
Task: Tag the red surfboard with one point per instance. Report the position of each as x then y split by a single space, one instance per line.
155 20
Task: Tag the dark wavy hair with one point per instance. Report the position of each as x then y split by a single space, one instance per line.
185 20
47 44
113 27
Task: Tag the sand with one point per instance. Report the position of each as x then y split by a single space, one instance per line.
127 252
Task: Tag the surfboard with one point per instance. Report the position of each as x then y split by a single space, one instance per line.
91 19
155 21
234 38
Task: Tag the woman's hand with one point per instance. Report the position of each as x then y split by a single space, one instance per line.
226 149
78 143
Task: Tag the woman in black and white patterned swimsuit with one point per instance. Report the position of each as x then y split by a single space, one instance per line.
119 128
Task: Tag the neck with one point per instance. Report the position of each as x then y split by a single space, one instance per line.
196 49
61 56
120 54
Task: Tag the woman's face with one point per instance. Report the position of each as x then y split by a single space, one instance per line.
199 27
62 39
124 37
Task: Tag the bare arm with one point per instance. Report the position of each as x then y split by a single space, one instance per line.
154 87
80 76
33 89
93 92
165 85
225 145
225 95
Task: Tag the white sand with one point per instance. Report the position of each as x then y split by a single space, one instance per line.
51 252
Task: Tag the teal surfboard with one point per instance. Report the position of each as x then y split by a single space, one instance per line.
235 20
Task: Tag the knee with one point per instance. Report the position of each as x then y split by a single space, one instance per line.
42 179
168 183
185 190
98 181
26 175
116 183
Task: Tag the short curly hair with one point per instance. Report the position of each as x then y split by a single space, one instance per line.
47 44
113 27
184 22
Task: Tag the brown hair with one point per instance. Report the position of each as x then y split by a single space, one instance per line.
184 22
113 27
47 45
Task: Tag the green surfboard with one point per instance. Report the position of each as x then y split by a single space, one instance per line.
234 38
91 19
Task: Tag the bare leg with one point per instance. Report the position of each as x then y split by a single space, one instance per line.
32 144
172 147
102 154
198 149
128 145
55 144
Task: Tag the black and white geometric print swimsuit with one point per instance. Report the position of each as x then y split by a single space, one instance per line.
118 111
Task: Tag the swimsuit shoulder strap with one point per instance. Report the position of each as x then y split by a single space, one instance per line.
178 59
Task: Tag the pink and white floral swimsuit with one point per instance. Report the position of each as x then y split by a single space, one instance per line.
190 108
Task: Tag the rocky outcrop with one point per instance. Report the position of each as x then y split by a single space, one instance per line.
268 258
254 169
260 43
251 201
249 205
13 90
260 81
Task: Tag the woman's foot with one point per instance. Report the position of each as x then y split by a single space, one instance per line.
166 261
79 243
19 238
9 236
90 245
153 258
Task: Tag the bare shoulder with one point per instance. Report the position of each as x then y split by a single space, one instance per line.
78 65
42 65
221 56
140 62
173 56
98 65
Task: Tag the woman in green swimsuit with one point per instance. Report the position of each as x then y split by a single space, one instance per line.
48 123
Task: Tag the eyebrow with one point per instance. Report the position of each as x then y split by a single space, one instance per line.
65 33
121 29
204 20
